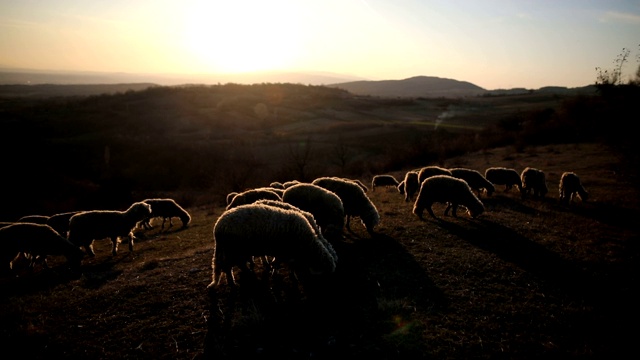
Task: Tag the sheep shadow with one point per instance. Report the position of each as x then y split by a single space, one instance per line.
346 312
528 255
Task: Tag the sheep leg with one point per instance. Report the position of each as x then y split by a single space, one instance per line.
430 210
114 245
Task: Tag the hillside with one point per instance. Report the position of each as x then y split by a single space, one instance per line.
418 86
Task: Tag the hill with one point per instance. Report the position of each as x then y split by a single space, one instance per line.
418 86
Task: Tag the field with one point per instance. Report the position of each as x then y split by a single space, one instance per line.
527 279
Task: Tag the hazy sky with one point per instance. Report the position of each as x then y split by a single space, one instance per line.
491 43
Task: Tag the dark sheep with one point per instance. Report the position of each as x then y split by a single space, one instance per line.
570 187
475 179
534 180
384 180
448 190
508 177
166 209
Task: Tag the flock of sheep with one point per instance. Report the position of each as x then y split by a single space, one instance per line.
34 237
293 223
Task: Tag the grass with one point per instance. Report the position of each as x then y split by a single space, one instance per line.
527 279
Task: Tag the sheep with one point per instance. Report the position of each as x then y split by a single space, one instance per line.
326 207
166 209
384 180
570 185
360 183
450 190
309 216
257 230
475 179
400 187
34 219
288 184
354 200
508 177
431 170
411 185
276 185
87 226
533 180
253 195
60 222
38 241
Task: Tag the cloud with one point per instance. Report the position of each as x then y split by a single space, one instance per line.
614 16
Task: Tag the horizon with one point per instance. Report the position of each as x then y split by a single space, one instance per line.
495 44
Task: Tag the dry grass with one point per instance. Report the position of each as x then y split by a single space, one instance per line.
527 279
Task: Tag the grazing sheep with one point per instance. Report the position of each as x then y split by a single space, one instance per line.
360 183
309 216
411 185
533 180
475 179
354 200
327 207
37 241
384 180
258 230
60 222
166 209
432 170
230 196
34 219
570 186
503 176
450 190
87 226
253 195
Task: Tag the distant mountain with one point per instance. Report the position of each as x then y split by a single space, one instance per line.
418 86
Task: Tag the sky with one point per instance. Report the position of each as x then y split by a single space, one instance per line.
495 44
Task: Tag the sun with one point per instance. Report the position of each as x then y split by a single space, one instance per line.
232 37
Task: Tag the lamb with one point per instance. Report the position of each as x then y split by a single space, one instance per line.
475 179
354 200
384 180
253 195
60 222
257 230
37 241
533 180
411 185
87 226
326 207
450 190
570 186
166 209
508 177
432 170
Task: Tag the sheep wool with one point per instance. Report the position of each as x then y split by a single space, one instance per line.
258 230
87 226
431 170
38 241
60 222
508 177
534 180
325 205
354 200
252 195
166 209
411 185
570 187
475 179
450 190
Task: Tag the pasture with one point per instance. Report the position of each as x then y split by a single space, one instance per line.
527 279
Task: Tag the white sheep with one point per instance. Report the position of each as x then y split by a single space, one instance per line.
475 179
309 216
60 222
508 177
449 190
384 180
37 241
533 180
253 195
354 199
570 186
410 185
166 209
326 207
258 230
87 226
431 170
